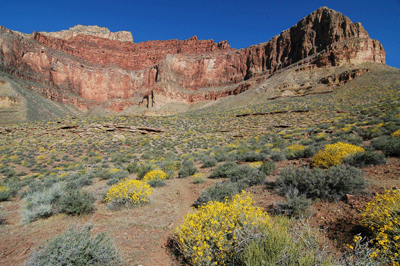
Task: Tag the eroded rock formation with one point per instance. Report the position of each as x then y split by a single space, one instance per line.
90 66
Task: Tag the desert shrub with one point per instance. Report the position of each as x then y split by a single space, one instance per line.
128 193
255 164
332 184
112 173
188 169
221 156
388 144
333 154
350 138
223 171
295 204
361 253
208 162
293 151
198 178
42 203
323 125
268 167
278 155
247 175
232 157
382 218
143 170
7 191
211 234
396 134
113 181
155 175
77 246
283 243
76 202
170 167
132 168
370 133
79 182
253 157
362 159
219 192
157 183
40 184
119 159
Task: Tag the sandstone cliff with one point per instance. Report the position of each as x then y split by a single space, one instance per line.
89 66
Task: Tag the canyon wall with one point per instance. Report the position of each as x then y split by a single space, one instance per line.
87 66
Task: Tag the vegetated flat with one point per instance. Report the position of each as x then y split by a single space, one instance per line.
42 153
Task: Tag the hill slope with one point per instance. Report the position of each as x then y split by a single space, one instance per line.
91 67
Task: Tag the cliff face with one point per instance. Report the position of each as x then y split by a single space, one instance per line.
87 66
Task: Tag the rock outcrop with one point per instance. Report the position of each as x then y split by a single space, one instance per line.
90 66
102 32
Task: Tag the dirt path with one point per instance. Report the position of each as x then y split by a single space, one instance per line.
186 196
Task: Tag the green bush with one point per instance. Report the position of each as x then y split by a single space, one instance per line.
283 244
157 183
77 247
361 253
78 182
112 173
188 169
224 170
208 162
113 181
366 158
143 170
388 144
296 204
268 167
41 204
219 192
247 175
277 155
253 157
76 202
8 190
132 168
332 184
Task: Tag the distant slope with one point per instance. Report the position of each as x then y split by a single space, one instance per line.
379 83
18 104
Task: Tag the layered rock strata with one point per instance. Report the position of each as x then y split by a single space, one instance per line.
88 66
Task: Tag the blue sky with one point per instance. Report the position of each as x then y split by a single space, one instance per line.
241 23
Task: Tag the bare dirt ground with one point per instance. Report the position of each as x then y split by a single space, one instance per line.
142 233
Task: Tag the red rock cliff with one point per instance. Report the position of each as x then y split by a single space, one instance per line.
86 70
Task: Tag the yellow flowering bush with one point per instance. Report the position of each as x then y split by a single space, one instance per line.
4 188
396 133
255 164
155 175
211 234
41 157
333 154
382 218
132 192
295 147
5 193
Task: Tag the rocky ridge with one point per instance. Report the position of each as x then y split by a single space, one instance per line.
321 51
102 32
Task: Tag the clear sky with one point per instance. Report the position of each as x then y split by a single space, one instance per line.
241 23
